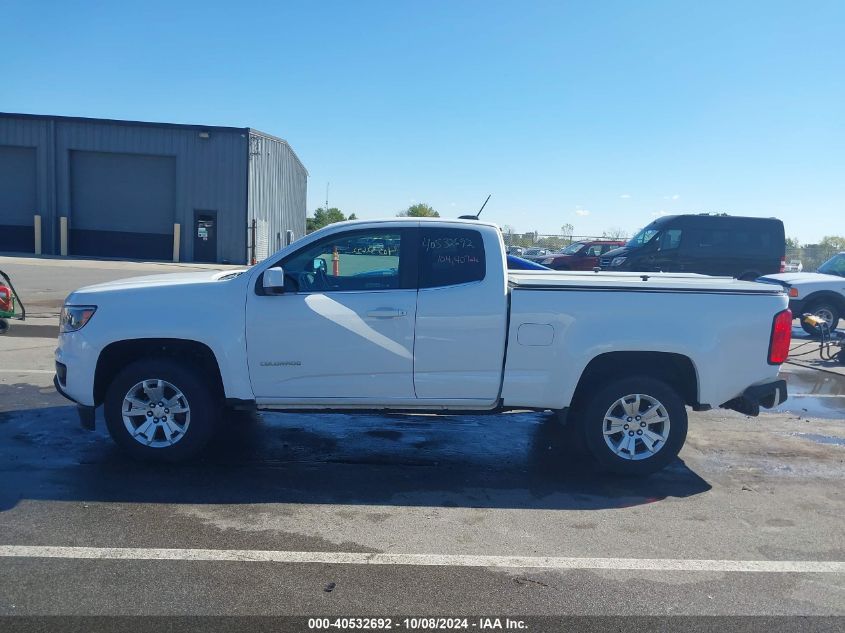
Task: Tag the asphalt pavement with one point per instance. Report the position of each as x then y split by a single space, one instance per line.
409 515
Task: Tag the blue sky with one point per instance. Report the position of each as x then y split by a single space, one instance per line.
600 114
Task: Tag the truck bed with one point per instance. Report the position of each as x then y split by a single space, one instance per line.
642 282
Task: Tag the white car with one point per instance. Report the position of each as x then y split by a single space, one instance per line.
437 325
821 293
793 266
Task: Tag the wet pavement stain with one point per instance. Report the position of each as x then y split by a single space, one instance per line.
821 439
813 393
386 434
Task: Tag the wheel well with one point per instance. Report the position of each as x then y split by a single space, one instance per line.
119 354
674 369
835 298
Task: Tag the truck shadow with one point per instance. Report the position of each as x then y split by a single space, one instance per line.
518 460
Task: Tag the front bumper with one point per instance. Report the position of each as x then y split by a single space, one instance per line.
767 395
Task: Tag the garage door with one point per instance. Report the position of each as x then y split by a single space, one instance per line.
122 205
17 198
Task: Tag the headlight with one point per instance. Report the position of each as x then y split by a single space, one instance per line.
618 261
548 260
74 318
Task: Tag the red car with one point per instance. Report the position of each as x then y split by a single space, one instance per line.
580 255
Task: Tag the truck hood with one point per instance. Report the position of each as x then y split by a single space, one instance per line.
797 278
150 282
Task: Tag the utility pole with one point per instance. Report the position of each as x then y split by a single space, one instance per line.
327 196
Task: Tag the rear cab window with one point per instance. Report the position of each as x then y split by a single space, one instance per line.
448 257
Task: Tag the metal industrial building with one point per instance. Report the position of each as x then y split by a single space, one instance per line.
106 188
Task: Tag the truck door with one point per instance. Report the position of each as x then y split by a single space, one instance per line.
343 329
666 258
590 258
461 315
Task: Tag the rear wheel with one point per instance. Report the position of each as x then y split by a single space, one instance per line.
158 409
825 311
634 426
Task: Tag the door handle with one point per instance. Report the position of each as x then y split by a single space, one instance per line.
386 313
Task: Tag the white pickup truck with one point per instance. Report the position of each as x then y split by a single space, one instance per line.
821 293
421 315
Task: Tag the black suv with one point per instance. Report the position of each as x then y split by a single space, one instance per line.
741 247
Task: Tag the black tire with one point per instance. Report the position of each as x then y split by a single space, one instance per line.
815 308
203 401
597 404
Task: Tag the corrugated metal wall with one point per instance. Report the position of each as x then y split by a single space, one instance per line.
210 172
277 189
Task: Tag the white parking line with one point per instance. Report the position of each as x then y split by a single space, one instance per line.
27 371
450 560
816 395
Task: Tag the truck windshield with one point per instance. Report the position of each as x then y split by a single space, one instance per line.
834 266
643 237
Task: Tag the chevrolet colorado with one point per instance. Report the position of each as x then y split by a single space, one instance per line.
421 315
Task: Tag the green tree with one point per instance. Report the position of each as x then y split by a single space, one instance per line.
833 243
614 233
324 217
792 243
419 210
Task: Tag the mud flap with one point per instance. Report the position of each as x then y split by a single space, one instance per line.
86 416
767 396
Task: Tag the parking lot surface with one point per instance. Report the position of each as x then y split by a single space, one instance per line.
409 514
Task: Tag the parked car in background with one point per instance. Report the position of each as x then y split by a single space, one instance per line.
535 253
516 250
732 246
794 266
439 325
517 263
821 293
580 255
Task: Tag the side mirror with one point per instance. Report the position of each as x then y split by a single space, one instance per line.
273 280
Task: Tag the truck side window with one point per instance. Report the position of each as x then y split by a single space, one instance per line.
670 239
362 260
450 256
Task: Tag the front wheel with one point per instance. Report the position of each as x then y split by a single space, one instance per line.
634 426
159 409
827 312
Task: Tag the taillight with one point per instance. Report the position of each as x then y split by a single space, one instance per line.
783 264
781 338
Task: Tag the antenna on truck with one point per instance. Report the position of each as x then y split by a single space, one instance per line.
475 217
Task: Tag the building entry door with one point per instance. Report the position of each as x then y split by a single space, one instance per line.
205 236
